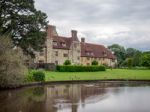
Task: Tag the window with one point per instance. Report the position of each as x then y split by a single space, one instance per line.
90 53
88 58
54 43
56 53
56 62
63 44
41 61
65 55
78 58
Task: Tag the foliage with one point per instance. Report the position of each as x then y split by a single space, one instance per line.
29 76
129 62
39 76
67 62
79 68
119 52
12 69
130 57
146 59
137 59
94 62
24 23
130 52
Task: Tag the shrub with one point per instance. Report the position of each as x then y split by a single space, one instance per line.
67 62
75 68
12 69
39 76
94 62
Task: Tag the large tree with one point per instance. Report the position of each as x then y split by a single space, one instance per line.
119 52
24 24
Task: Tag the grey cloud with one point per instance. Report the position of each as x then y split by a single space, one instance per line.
106 22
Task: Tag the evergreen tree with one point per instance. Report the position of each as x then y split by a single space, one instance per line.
23 23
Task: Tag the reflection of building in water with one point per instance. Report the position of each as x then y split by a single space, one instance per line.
70 96
53 98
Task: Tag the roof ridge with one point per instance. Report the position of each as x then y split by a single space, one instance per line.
94 44
62 37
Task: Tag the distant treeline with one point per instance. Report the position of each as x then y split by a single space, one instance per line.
130 57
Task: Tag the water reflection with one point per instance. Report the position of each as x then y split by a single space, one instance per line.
107 97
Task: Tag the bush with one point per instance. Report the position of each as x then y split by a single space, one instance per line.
39 76
67 62
94 62
12 69
75 68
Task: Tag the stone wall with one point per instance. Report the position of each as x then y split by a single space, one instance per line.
75 53
101 61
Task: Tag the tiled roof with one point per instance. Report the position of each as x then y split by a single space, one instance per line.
87 49
96 51
62 42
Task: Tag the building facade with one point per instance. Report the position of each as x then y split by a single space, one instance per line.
58 49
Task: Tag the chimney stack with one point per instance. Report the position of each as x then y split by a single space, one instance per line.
51 31
83 40
74 33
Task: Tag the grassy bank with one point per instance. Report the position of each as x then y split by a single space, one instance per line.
106 75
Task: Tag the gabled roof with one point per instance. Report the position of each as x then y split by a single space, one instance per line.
96 51
62 40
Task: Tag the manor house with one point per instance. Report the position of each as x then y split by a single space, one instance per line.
59 48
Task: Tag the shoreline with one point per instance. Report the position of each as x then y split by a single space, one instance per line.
32 84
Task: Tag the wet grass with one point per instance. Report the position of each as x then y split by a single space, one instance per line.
116 74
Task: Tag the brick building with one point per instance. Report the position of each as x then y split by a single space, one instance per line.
58 49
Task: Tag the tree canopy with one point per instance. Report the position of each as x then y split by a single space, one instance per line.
23 23
130 57
119 52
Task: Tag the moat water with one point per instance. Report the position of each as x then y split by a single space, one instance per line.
93 97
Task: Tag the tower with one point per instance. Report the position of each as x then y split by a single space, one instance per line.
75 48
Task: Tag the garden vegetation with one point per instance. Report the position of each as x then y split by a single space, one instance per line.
12 69
80 68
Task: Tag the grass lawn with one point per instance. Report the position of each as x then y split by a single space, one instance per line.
106 75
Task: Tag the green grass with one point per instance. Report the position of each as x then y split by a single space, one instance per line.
115 74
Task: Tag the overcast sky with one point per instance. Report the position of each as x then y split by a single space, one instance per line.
125 22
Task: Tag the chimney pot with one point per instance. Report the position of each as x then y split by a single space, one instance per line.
83 39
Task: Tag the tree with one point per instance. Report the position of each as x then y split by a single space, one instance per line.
119 52
94 62
130 52
129 62
12 69
146 59
137 58
24 23
67 62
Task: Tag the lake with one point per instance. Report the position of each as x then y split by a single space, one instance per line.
91 97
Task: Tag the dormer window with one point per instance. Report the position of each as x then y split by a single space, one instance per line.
63 44
88 53
54 43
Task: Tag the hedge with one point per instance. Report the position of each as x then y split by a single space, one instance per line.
75 68
39 76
